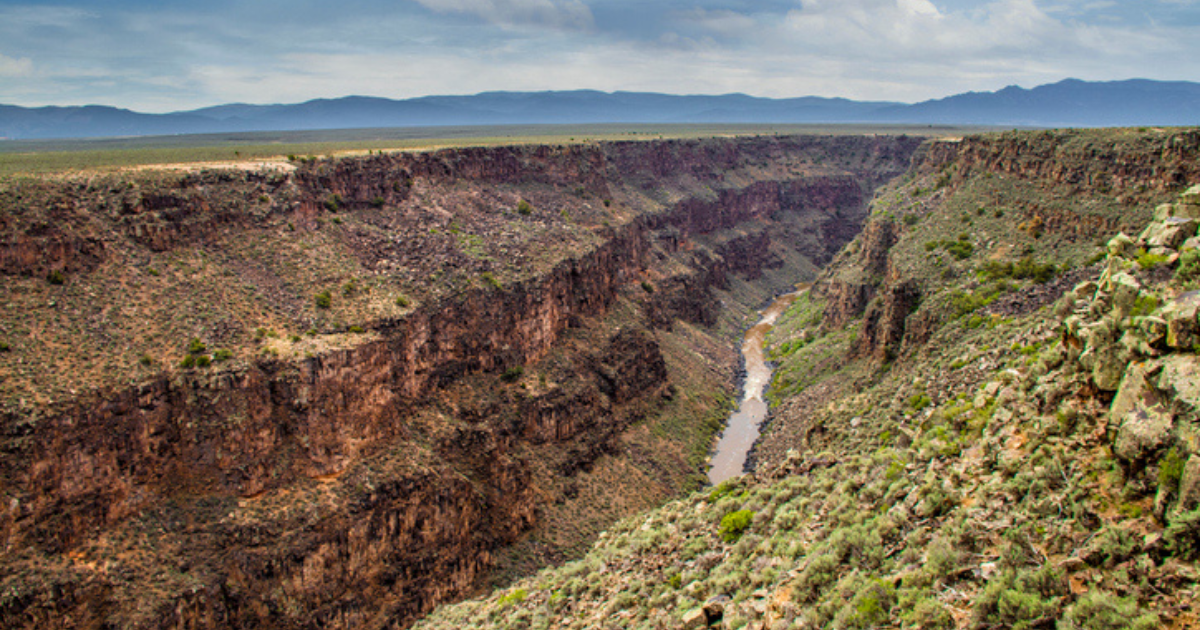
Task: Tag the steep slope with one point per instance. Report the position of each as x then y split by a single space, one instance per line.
985 417
339 394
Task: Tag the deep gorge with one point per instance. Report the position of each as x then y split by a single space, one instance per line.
518 345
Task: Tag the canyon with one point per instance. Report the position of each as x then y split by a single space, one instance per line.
984 414
343 391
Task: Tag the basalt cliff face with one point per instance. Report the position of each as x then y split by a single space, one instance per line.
336 395
984 415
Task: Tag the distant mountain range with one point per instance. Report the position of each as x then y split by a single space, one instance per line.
1069 103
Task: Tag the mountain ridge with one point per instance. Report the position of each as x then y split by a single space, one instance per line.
1068 103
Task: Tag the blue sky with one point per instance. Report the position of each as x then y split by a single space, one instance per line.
170 55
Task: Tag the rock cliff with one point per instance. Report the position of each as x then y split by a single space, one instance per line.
334 395
980 420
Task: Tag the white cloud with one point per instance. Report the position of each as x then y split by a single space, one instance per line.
570 14
15 67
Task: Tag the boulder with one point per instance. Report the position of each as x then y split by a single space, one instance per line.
1191 195
1120 245
1152 229
1180 379
694 618
1138 413
1189 486
714 608
1085 290
1162 211
1125 290
1154 329
1189 210
1191 243
1107 368
1189 203
1183 331
1172 233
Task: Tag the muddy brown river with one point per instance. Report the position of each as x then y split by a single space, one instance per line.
729 459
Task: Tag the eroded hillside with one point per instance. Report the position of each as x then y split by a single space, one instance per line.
985 416
338 394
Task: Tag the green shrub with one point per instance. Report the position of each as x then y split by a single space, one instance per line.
911 219
1170 470
490 280
514 596
734 524
968 302
221 355
146 360
870 606
402 302
919 401
333 203
355 330
1146 260
1027 267
377 202
4 347
195 346
323 299
647 287
1020 599
523 207
188 361
961 250
513 374
1100 610
1145 304
203 360
1188 271
928 614
56 277
1183 536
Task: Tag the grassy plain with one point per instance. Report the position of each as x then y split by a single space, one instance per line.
105 154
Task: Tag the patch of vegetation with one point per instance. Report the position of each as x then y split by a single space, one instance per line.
1147 260
323 299
524 208
1100 610
1025 268
514 596
1144 305
734 524
513 374
56 277
1170 470
965 302
1188 272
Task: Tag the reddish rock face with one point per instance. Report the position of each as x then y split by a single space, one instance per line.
361 486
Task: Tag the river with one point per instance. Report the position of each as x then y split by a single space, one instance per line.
742 429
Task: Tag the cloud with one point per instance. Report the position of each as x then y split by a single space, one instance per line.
15 67
567 14
176 55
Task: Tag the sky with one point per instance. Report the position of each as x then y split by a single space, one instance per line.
169 55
